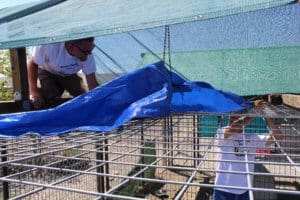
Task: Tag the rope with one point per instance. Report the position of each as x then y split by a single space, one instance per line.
167 47
154 54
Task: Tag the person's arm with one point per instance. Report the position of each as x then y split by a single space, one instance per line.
238 125
91 81
274 131
34 95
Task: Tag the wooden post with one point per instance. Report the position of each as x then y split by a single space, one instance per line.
19 76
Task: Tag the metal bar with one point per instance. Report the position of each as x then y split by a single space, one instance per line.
99 168
4 171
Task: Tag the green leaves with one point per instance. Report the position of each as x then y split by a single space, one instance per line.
5 69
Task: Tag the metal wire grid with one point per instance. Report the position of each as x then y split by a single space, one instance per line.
170 158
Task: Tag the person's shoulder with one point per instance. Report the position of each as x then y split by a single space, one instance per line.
256 136
54 49
52 45
55 45
263 136
222 129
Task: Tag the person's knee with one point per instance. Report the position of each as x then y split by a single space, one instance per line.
51 93
75 85
50 88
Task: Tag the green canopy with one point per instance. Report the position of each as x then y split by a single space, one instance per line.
252 71
249 47
45 22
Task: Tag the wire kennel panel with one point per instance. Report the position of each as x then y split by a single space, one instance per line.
165 158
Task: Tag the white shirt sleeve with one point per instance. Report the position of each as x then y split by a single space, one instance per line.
220 136
39 54
260 140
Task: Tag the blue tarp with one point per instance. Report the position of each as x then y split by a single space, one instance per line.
152 91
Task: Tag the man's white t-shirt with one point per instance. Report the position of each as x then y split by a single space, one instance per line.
55 59
235 148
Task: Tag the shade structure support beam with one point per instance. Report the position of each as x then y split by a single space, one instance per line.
19 76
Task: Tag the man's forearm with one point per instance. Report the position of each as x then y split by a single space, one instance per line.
32 70
276 132
91 81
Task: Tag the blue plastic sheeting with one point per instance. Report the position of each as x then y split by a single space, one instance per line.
146 92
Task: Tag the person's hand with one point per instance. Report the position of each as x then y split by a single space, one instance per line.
36 100
259 103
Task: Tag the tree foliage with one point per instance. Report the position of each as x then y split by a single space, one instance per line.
5 69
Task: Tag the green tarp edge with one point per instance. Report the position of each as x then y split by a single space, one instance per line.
252 71
85 29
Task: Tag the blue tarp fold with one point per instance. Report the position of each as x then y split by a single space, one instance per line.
152 91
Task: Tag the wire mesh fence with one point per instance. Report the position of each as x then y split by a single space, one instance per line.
164 158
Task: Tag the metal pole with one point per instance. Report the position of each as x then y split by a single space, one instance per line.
165 141
171 139
143 146
106 164
99 169
4 170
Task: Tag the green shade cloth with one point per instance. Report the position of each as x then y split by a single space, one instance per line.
253 71
22 9
208 125
75 19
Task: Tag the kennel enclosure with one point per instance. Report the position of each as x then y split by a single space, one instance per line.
170 158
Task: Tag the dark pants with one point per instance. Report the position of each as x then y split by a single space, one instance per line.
221 195
53 86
